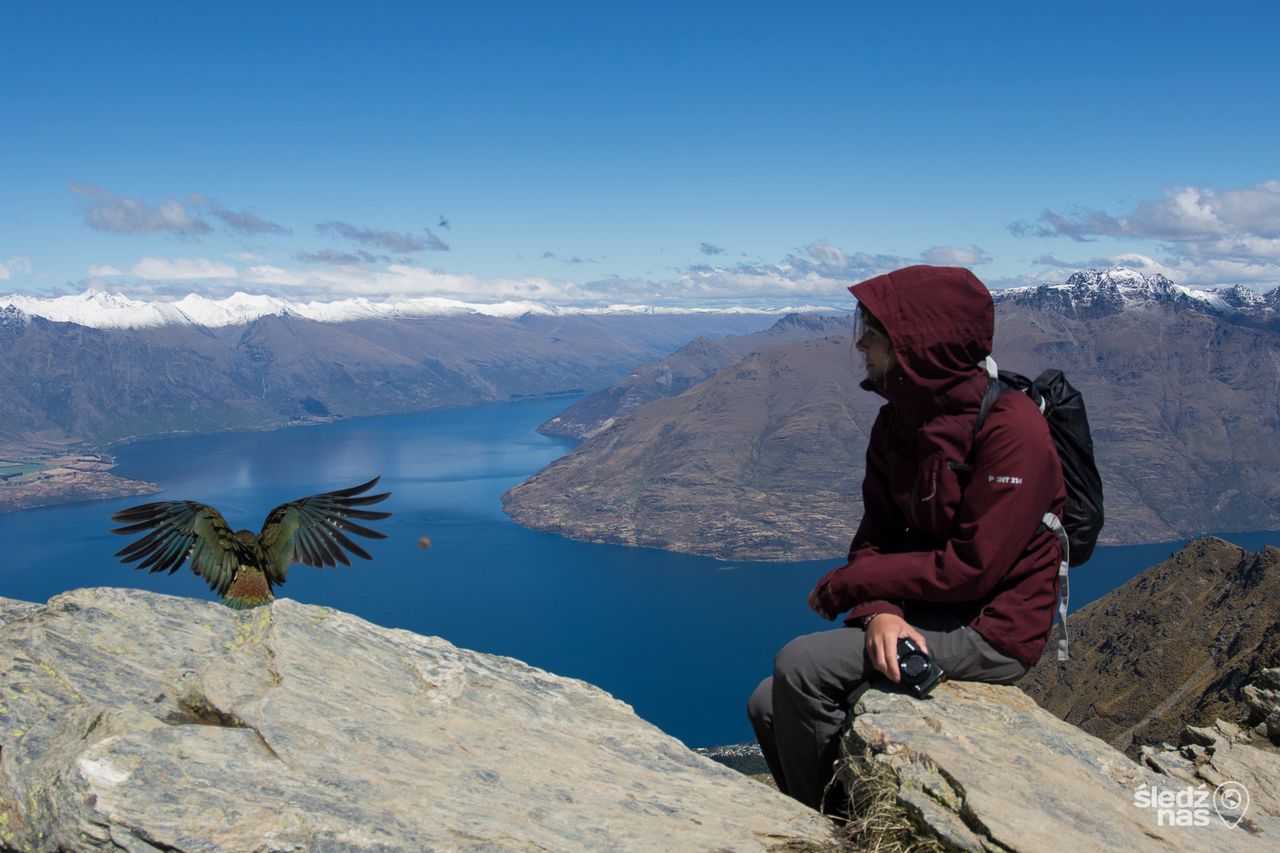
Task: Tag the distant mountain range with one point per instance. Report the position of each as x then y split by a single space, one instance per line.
1100 293
762 460
99 309
86 384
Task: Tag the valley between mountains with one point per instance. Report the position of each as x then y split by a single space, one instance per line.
125 371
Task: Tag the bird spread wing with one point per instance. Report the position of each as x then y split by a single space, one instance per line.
313 530
182 529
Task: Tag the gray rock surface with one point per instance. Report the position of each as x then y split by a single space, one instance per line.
1263 699
1224 760
1228 753
140 722
982 767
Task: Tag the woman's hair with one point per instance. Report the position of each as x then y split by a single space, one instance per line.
867 320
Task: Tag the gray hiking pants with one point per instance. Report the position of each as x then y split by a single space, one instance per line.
797 714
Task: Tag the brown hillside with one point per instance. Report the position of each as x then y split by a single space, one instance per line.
764 459
1171 647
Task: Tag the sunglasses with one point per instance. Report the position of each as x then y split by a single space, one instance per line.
864 324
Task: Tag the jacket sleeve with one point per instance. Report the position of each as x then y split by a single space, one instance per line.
1016 477
879 531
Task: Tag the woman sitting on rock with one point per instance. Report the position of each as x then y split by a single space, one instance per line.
951 552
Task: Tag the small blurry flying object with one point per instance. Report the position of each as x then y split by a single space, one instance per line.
241 566
443 223
424 542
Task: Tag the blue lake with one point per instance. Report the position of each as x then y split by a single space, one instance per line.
682 639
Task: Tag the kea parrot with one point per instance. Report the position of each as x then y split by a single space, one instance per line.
242 567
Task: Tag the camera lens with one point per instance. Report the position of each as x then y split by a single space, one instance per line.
913 667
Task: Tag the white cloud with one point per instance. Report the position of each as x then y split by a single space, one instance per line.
820 272
393 241
267 274
14 266
1192 215
245 256
1205 236
1240 246
119 214
954 256
827 253
243 222
1263 274
816 274
409 280
96 270
182 269
106 211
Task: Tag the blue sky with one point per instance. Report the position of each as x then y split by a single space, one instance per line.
694 153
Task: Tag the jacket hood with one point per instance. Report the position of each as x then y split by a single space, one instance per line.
941 321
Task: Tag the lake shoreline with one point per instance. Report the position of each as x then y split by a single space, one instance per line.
60 488
682 639
65 488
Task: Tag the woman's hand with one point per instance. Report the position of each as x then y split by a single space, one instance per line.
882 642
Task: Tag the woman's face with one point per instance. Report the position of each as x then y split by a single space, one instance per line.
876 351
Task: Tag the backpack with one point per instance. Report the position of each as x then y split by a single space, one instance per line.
1063 407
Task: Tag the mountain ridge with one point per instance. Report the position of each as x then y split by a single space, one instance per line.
681 370
1098 292
105 310
74 389
763 459
1171 647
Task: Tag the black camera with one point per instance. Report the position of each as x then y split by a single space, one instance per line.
919 673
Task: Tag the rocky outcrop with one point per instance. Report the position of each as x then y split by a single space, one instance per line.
1263 699
142 722
982 767
1173 646
1228 753
1218 755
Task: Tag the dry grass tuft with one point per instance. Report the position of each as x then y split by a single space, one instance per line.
874 820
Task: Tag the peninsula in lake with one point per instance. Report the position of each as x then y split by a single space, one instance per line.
762 459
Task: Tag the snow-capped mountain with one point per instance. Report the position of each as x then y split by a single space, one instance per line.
102 310
11 318
1098 293
1086 293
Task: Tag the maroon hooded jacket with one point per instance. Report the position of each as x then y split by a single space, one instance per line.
945 525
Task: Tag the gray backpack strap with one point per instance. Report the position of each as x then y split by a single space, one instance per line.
1051 521
994 389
